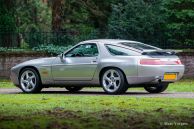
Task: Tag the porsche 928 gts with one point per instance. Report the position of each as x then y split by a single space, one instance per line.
114 65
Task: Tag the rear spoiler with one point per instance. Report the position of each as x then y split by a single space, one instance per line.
159 52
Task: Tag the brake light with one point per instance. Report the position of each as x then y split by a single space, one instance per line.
178 61
159 62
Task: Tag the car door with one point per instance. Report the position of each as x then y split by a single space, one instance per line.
80 63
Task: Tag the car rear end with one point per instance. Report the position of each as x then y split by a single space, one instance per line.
159 66
156 65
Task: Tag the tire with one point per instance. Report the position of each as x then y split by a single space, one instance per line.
73 88
30 81
156 88
113 81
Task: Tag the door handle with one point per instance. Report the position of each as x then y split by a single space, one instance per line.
93 61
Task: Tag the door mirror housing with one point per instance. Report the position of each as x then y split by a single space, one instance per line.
62 57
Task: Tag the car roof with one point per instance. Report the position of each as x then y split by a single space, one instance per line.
112 41
117 42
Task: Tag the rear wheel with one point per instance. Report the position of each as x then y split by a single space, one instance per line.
30 81
156 88
73 88
113 81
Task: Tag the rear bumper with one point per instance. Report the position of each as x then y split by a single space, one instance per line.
154 74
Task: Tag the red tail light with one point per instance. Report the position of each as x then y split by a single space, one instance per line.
160 62
178 61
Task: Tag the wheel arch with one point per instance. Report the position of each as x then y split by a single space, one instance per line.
32 67
109 67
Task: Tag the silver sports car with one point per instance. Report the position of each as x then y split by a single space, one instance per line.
115 65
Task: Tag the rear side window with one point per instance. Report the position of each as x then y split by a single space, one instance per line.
120 51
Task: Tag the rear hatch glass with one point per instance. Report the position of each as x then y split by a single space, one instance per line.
139 46
148 49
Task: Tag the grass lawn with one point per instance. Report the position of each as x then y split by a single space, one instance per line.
50 111
6 84
59 111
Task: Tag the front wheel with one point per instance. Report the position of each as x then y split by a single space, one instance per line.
156 88
73 88
30 81
113 81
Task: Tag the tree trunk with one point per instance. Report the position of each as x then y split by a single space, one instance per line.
57 14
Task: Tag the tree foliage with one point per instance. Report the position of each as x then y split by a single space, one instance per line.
179 24
7 20
166 23
137 20
32 15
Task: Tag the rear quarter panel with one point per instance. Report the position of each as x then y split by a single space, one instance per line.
128 64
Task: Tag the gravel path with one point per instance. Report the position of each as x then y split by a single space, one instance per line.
90 91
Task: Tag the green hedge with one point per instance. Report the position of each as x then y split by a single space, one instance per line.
51 49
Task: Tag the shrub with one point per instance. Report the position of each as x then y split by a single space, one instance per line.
4 49
51 49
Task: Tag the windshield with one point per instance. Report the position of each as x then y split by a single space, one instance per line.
138 46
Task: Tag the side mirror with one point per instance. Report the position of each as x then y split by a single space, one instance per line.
61 56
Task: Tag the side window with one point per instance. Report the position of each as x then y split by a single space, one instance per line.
84 50
120 51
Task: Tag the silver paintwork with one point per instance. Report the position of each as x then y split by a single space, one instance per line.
85 71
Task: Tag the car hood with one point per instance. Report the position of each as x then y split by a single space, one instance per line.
37 62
